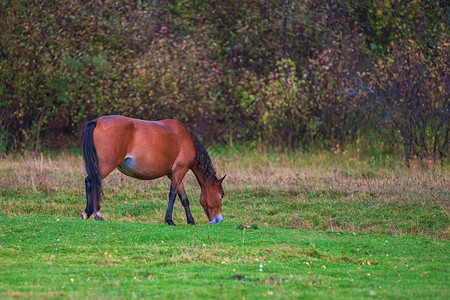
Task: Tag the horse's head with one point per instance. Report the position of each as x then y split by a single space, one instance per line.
211 200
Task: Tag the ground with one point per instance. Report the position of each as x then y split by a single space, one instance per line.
319 226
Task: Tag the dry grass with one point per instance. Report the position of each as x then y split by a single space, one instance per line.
320 173
284 172
296 186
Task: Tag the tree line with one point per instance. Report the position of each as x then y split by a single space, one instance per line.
285 74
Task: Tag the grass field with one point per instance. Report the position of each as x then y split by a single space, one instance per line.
323 225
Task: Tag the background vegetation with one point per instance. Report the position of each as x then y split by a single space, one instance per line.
284 74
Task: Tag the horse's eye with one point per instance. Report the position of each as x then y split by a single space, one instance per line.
221 197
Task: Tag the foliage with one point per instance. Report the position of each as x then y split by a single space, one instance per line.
413 92
277 72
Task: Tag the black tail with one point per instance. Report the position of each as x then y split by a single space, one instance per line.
91 162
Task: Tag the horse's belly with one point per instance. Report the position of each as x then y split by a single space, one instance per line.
129 168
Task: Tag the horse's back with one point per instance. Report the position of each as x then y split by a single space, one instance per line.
142 149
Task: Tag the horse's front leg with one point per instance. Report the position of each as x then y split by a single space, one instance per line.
185 201
176 179
172 196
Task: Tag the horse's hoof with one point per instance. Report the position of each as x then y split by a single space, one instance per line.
191 222
84 216
171 223
98 216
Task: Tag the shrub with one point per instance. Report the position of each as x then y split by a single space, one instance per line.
412 88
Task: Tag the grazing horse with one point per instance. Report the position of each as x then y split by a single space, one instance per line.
148 150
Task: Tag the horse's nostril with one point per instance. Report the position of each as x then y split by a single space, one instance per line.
218 218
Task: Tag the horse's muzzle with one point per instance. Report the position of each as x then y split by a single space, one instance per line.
217 219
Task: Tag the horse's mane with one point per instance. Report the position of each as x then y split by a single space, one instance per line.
203 159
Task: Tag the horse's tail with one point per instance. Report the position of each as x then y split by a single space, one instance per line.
91 161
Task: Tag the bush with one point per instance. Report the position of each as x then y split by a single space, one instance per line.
287 74
412 90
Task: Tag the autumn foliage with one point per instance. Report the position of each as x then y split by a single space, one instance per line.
285 74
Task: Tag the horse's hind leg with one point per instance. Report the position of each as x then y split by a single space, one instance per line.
89 207
92 205
96 204
185 201
97 215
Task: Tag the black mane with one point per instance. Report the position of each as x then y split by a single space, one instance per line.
203 159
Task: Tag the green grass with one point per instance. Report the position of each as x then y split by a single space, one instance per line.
53 256
329 226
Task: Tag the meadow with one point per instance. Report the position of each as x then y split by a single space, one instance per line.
316 225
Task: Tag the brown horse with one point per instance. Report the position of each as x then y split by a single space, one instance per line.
148 150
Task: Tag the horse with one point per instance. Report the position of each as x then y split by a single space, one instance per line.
148 150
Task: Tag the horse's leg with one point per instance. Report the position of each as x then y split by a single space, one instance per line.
172 196
95 206
104 169
185 201
176 179
89 207
97 215
92 205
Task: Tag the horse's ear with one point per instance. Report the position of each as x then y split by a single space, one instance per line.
221 179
